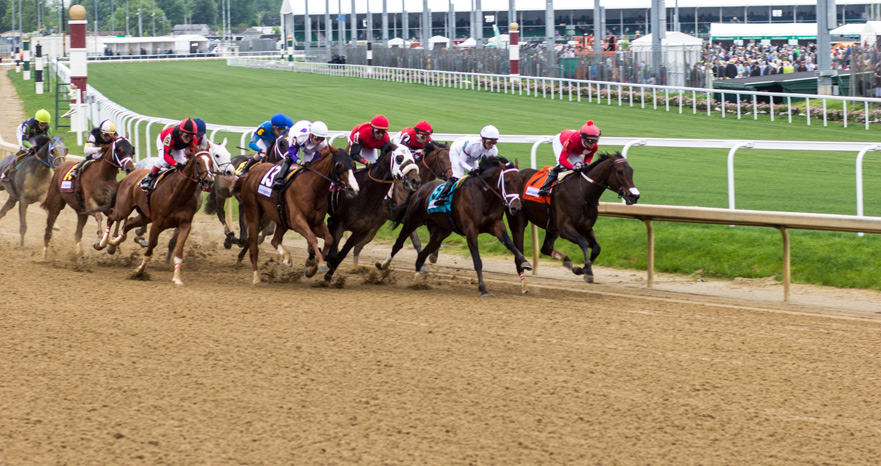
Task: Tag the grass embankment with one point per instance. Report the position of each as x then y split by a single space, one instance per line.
765 180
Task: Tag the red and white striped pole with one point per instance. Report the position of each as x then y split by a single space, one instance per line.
514 50
78 70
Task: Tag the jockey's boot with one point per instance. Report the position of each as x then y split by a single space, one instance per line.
76 169
248 166
445 192
279 179
546 188
147 182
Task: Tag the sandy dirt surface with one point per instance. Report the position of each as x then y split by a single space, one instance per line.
98 368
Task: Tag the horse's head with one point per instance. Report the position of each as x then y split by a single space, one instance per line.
404 168
504 175
221 157
279 150
436 158
620 178
343 172
58 150
120 154
200 167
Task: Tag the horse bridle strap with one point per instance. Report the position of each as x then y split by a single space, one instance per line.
437 162
590 180
500 192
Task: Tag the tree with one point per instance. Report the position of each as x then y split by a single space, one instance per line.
205 11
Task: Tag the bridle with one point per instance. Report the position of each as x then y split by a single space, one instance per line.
200 178
500 190
620 191
397 172
333 178
424 163
114 159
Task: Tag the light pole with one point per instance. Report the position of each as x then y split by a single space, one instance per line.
126 17
113 16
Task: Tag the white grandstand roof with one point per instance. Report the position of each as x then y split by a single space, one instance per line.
438 6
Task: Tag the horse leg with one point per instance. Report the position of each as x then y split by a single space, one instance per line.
594 245
547 248
130 224
139 236
587 271
518 227
227 231
478 264
436 238
269 229
55 208
520 261
81 220
10 203
23 220
148 254
253 226
356 242
411 223
180 237
277 238
171 244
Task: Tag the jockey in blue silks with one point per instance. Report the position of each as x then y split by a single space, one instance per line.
265 135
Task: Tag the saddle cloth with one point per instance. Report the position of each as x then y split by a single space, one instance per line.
530 190
435 204
68 183
265 187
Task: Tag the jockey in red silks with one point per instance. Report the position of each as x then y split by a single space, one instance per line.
572 149
367 138
415 137
175 141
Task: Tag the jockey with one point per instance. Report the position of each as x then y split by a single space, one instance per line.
306 137
175 141
415 138
201 129
367 138
265 135
572 149
26 134
466 153
33 127
97 142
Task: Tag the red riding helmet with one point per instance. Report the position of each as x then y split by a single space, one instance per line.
423 128
379 122
188 126
590 131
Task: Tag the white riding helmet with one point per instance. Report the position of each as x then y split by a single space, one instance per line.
489 132
319 129
108 127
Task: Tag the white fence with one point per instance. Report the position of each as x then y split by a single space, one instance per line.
601 92
136 125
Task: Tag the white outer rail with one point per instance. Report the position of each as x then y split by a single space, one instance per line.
562 88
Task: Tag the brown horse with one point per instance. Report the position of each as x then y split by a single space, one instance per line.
95 187
305 203
171 204
478 206
573 209
434 163
365 213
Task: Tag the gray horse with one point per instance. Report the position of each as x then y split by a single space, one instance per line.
29 181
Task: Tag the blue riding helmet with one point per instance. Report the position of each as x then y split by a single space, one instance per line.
201 127
280 119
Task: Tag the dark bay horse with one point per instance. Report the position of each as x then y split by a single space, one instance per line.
30 180
365 213
96 182
434 163
171 204
478 206
215 203
573 209
305 204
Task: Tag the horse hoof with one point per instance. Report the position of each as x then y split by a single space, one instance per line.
311 271
578 271
433 258
227 244
588 278
111 250
526 265
323 268
97 246
484 295
141 241
378 265
568 264
178 282
425 269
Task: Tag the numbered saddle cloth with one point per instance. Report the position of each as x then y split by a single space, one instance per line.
436 203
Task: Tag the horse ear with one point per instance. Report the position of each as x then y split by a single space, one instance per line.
223 143
517 164
62 137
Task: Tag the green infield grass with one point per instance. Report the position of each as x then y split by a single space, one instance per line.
765 180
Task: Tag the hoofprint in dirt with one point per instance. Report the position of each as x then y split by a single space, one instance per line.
98 368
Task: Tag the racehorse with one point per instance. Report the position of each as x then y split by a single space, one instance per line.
223 183
365 213
434 163
171 204
93 188
573 212
29 182
304 204
478 205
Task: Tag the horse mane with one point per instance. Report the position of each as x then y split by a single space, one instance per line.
41 140
488 162
431 146
602 157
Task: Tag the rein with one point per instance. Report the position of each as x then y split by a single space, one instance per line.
436 162
199 176
619 191
501 193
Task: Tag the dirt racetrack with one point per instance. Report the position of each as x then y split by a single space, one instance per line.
97 368
101 369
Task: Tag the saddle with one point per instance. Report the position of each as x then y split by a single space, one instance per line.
161 176
264 189
445 205
530 190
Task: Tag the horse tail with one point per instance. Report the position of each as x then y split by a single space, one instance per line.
114 189
399 211
211 203
237 186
